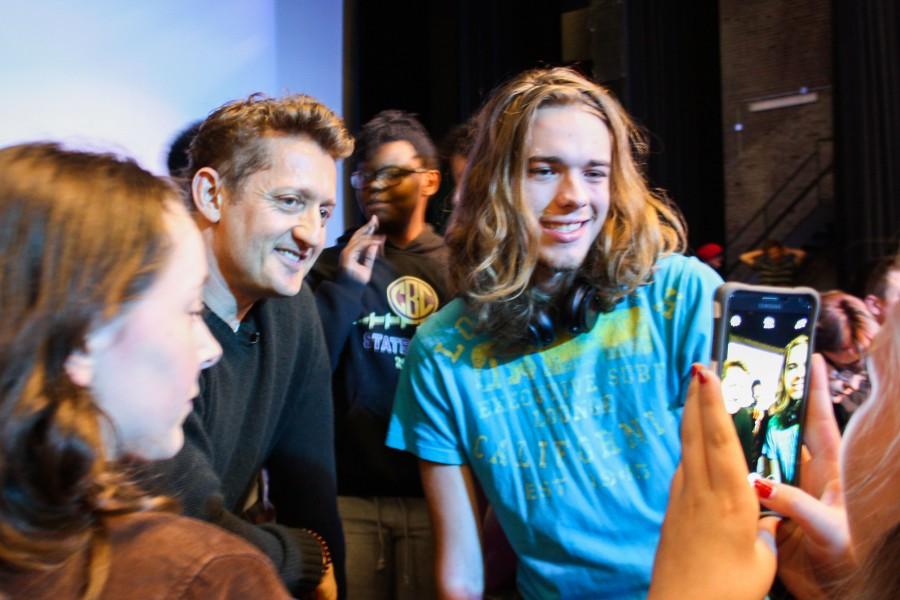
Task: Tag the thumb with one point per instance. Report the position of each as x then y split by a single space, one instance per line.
765 538
833 494
766 547
815 518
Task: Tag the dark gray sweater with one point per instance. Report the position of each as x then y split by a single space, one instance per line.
267 402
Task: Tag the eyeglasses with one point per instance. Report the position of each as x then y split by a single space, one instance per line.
385 176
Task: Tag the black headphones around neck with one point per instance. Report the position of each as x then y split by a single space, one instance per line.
576 313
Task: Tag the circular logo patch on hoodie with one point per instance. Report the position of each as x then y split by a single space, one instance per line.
412 299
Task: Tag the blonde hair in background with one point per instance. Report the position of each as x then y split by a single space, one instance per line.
878 577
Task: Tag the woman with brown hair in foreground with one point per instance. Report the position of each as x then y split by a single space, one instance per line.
840 537
100 348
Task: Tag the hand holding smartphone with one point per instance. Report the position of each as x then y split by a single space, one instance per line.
763 345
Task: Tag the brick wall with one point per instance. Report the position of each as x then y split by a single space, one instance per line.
771 47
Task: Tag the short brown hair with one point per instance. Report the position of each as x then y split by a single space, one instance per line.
229 139
844 323
876 281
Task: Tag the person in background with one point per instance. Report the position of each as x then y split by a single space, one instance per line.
554 381
178 159
843 334
374 288
774 263
263 180
738 393
456 149
882 290
712 254
760 405
100 280
841 534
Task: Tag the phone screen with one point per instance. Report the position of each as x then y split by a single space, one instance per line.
764 373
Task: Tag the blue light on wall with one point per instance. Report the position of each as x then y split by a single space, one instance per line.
127 77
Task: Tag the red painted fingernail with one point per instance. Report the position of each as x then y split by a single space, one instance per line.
764 488
697 371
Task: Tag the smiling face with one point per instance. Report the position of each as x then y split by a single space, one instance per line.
566 182
736 389
146 361
794 375
272 227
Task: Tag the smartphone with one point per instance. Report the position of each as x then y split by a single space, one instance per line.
763 347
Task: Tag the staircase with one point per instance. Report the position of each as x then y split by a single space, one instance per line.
800 213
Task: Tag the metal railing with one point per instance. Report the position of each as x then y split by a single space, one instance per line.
788 206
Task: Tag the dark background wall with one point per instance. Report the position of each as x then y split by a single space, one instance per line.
672 86
441 59
772 49
687 72
867 132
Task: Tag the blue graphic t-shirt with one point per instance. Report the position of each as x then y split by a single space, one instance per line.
779 447
575 446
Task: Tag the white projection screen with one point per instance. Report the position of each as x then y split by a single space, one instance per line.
128 76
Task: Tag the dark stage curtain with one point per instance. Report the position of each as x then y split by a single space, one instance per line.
441 59
673 87
867 130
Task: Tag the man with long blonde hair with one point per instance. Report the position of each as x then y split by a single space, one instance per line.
783 423
555 381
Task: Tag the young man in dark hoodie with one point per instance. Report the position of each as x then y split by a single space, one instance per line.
373 290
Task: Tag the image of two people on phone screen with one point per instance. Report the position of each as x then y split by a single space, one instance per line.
767 412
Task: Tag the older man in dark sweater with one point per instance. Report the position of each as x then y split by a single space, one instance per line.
263 185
